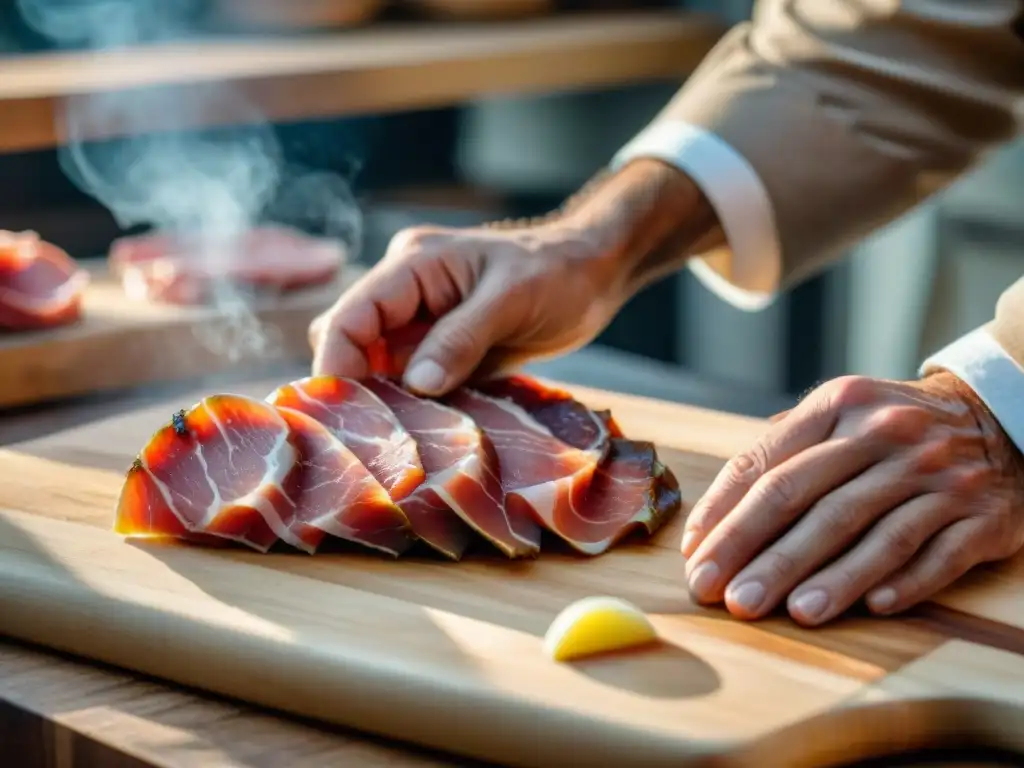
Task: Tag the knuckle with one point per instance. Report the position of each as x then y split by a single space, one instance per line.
968 480
901 540
779 567
841 521
746 467
933 456
901 424
1009 540
415 240
777 490
316 329
853 391
456 341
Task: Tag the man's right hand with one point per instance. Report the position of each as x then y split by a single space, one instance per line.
485 300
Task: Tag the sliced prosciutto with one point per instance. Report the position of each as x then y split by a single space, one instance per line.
234 469
330 492
359 418
40 285
627 488
212 471
544 478
164 267
462 491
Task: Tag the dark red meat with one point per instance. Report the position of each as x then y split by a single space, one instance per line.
359 418
269 259
236 469
40 285
462 491
628 487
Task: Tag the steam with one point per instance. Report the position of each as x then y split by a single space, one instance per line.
202 187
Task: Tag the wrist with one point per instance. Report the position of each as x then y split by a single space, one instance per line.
998 444
645 221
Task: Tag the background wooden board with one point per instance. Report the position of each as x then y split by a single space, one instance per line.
304 629
374 70
122 343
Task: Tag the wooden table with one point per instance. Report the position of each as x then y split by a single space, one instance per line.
374 70
63 712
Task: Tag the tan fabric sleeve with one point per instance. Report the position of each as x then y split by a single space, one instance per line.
853 111
1008 326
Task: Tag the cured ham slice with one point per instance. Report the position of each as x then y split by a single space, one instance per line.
236 469
631 489
360 420
462 491
40 285
540 474
330 492
166 268
213 471
557 411
628 486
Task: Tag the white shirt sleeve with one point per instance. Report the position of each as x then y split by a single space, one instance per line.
980 361
739 198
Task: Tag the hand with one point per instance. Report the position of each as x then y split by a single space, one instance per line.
476 293
453 303
889 490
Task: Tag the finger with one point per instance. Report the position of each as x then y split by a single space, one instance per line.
949 556
830 526
393 294
889 545
457 343
389 356
772 504
386 297
809 423
779 416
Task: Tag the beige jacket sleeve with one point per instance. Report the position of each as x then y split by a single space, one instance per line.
822 120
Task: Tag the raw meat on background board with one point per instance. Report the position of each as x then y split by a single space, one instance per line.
232 468
462 492
163 267
40 285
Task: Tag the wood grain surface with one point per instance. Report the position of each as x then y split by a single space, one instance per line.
448 655
122 343
374 70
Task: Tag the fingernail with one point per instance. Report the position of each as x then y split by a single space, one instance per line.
747 596
882 600
425 376
811 605
703 579
689 543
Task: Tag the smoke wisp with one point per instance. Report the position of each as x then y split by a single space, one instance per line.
204 188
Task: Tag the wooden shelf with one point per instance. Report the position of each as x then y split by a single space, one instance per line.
372 70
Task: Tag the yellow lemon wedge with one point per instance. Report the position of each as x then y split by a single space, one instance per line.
597 625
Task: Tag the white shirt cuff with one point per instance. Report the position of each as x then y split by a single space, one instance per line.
740 201
980 361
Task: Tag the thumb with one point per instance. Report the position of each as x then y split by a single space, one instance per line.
455 345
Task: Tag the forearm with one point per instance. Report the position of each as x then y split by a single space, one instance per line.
645 221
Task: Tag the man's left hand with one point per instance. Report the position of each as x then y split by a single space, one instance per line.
882 490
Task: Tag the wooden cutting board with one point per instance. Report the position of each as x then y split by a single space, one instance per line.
122 343
449 655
